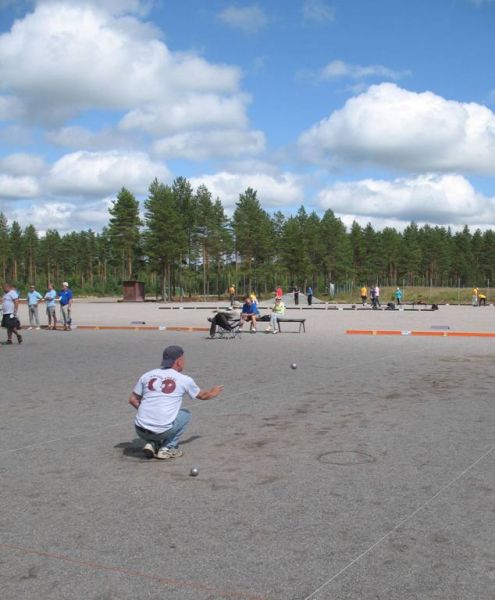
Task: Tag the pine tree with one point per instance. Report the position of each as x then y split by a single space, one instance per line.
124 229
165 239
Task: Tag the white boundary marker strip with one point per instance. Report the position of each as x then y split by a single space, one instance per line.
400 524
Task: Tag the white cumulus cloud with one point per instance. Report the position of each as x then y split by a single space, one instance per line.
437 199
102 173
395 128
279 191
63 59
201 145
21 164
18 187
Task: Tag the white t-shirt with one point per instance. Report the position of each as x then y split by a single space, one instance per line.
162 391
8 303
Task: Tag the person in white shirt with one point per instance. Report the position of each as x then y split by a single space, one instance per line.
160 421
10 305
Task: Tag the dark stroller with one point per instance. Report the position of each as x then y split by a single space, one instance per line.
224 326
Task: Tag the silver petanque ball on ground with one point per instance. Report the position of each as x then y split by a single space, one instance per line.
293 366
194 472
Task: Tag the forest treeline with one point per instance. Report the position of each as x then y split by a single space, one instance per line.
185 245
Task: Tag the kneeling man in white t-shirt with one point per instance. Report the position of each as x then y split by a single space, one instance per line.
157 396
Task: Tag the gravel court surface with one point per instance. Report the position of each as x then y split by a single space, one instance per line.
300 471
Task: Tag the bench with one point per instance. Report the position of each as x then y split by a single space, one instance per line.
288 320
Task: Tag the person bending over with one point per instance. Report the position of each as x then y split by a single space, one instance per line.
157 396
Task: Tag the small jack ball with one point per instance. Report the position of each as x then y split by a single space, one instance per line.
293 366
194 472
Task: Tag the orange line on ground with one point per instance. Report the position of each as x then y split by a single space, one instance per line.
172 582
483 334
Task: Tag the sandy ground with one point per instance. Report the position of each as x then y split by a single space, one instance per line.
321 319
365 473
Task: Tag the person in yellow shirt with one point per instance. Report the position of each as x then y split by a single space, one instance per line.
278 310
474 298
231 292
364 295
481 299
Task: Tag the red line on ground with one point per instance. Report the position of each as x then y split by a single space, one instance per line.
172 582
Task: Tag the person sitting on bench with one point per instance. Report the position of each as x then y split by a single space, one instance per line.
248 313
278 310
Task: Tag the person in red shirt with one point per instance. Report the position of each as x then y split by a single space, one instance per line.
279 292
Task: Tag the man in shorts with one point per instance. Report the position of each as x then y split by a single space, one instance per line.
249 313
10 305
157 396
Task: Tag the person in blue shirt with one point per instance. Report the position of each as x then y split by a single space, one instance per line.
248 313
65 298
309 295
51 302
398 295
33 297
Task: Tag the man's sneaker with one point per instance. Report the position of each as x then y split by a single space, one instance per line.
149 450
275 331
168 453
38 328
8 342
30 328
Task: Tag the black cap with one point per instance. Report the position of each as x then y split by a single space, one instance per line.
170 355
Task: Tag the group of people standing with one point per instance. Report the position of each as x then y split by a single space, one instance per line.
374 293
10 308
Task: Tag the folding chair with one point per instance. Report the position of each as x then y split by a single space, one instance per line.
227 329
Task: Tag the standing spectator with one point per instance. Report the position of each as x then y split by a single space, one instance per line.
10 305
65 297
474 297
377 295
279 292
232 294
373 297
278 310
296 296
398 296
363 292
33 297
309 295
51 302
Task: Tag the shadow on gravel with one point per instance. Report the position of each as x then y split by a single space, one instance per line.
134 449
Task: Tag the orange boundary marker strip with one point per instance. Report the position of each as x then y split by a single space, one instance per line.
127 572
481 334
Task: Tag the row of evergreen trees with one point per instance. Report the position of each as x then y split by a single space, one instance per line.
186 245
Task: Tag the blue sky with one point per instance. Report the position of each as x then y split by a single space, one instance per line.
382 111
